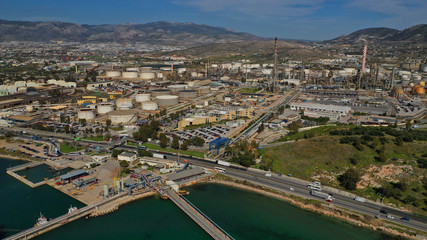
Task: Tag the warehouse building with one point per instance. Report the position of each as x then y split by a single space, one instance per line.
320 107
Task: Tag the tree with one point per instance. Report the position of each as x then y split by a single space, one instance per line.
82 121
108 122
175 142
293 127
163 140
144 153
399 141
197 141
184 145
260 128
116 152
358 144
349 179
124 164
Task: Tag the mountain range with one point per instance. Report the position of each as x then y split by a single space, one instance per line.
177 34
417 33
160 33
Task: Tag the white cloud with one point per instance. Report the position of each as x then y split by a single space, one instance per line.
257 8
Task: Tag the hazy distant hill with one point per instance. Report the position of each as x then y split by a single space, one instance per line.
167 33
261 50
417 33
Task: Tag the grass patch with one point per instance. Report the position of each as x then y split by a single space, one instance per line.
249 90
315 132
171 150
97 138
65 148
119 128
130 143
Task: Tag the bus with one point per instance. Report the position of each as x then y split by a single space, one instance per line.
220 170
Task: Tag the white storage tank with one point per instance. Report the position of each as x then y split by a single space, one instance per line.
147 75
122 116
149 106
166 68
113 74
124 103
181 70
167 100
160 92
177 87
187 94
105 108
142 97
130 74
132 69
86 113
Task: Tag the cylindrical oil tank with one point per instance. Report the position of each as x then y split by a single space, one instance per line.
203 90
160 92
150 106
124 103
167 100
142 97
181 70
146 69
166 68
113 74
147 75
132 69
177 87
130 74
105 108
187 94
122 116
86 113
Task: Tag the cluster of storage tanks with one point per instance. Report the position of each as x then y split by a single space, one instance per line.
144 73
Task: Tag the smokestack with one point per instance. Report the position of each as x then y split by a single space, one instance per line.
275 65
365 48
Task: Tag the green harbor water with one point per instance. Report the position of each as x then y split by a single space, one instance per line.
39 173
243 214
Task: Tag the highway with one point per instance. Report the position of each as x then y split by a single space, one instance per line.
284 183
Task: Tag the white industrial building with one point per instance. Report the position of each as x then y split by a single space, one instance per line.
320 107
127 156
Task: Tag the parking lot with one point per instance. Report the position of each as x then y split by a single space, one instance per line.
207 133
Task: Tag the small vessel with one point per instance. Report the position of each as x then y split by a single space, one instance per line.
184 192
41 220
72 209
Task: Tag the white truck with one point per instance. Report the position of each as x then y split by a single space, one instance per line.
223 163
360 199
326 196
158 155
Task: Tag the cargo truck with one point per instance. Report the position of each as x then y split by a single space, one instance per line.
323 195
157 155
223 163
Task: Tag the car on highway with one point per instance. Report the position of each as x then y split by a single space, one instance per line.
292 189
390 216
405 219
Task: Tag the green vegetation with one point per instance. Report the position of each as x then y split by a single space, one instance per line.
118 128
249 90
319 120
332 157
65 148
171 150
314 132
190 127
130 143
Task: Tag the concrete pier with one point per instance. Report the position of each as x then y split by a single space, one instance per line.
12 172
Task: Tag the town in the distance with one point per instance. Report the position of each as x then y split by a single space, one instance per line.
336 127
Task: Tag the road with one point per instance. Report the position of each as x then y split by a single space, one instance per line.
284 183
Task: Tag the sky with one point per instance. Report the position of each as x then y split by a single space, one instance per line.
290 19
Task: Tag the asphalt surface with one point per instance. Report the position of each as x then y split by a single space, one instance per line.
284 183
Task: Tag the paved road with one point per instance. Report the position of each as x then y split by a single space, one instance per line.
284 183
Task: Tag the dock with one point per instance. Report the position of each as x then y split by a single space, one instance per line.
59 221
12 172
215 231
